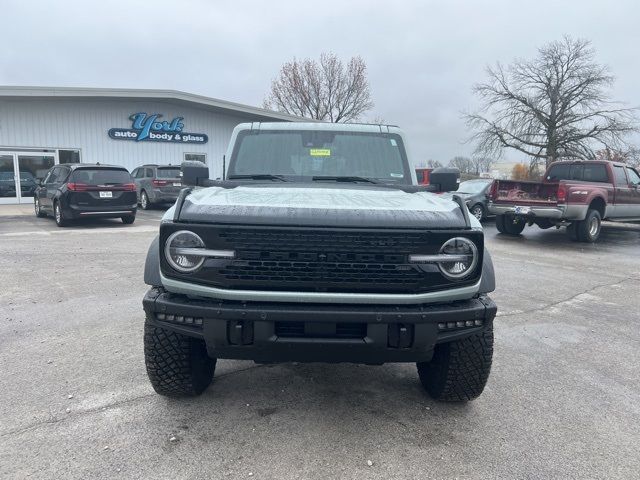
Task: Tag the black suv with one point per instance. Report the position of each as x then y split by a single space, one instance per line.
157 184
84 190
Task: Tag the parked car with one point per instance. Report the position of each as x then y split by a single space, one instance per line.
422 175
475 194
7 184
28 184
575 194
319 247
157 184
82 190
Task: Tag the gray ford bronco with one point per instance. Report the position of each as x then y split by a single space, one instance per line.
318 246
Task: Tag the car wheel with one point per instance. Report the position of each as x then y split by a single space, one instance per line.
128 219
588 230
144 201
478 211
59 216
38 208
177 365
459 370
510 225
514 225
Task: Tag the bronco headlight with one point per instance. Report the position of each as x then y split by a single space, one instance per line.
456 260
185 251
465 253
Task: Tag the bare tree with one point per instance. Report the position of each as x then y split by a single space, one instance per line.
631 156
464 164
377 120
433 164
324 90
553 107
481 164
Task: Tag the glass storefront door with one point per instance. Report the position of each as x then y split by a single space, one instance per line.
19 175
32 167
7 179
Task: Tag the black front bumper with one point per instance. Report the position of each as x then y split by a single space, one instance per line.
278 332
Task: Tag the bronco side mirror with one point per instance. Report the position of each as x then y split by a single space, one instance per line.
445 179
194 174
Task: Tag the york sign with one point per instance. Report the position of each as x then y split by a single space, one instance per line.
152 128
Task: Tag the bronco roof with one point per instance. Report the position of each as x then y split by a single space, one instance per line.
338 127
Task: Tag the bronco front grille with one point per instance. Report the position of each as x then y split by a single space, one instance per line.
322 260
327 240
317 271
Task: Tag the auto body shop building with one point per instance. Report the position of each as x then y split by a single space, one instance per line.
42 126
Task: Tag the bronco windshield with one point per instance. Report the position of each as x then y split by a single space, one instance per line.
308 155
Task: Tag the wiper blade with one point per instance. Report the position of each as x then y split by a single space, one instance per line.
344 179
258 176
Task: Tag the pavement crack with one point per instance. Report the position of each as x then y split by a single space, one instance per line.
18 431
566 300
252 367
79 413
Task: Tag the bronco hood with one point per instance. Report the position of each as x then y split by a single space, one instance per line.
334 205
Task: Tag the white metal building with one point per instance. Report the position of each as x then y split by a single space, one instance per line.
43 126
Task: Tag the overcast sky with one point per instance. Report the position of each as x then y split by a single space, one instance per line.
423 56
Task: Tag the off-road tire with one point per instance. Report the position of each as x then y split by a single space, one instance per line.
588 230
177 365
128 219
59 215
510 225
478 211
37 207
459 370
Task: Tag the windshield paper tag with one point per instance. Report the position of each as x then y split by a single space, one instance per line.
320 152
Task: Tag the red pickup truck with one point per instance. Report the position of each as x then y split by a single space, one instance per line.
575 194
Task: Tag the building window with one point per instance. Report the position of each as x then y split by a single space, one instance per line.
69 156
195 157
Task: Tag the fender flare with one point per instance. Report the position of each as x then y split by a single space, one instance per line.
599 197
152 264
488 279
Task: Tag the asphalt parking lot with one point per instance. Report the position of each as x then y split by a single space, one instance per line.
563 399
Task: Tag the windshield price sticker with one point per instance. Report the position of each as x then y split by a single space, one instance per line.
320 152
